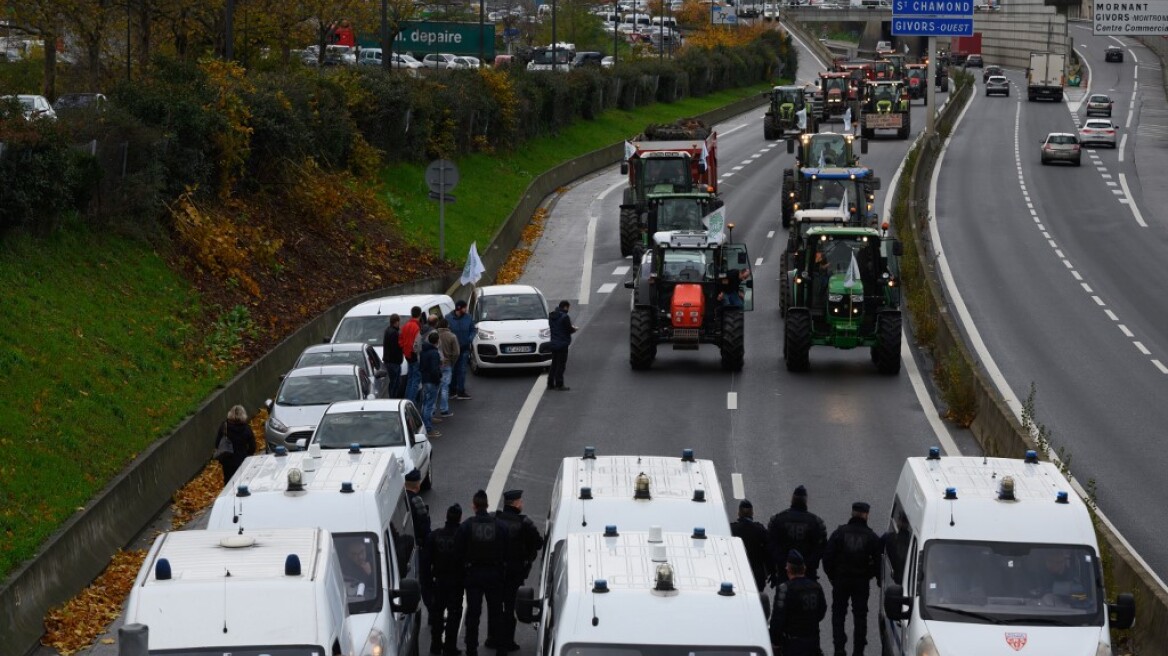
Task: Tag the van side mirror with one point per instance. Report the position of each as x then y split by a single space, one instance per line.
629 284
408 596
896 605
419 438
325 340
897 248
624 168
268 404
864 147
1123 611
527 607
766 605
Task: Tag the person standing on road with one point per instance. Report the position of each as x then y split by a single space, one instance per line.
797 528
430 367
482 543
419 511
463 327
799 608
561 338
442 574
242 438
409 335
754 538
523 550
448 349
392 357
852 558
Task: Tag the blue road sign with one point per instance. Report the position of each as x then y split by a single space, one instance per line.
511 32
940 26
948 8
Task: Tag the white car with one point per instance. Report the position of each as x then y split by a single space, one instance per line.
366 322
34 107
1099 131
464 61
437 60
392 425
512 328
374 57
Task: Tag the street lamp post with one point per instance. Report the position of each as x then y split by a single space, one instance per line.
615 29
228 22
555 40
661 34
482 44
128 39
386 47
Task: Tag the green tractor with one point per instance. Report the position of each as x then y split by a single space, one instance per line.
681 296
825 150
886 107
783 115
845 293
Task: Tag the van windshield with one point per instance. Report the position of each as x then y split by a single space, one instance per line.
361 568
368 428
1011 583
370 330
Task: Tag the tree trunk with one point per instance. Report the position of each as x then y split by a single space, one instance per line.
93 60
144 34
50 86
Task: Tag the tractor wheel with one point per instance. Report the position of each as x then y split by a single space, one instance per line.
642 348
906 129
784 284
925 97
630 231
785 200
733 339
768 128
886 353
797 340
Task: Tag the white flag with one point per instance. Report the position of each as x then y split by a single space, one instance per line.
843 208
853 273
715 222
906 48
705 157
821 163
630 150
802 116
848 120
474 268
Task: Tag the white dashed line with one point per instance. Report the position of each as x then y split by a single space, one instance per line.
1126 332
731 400
746 161
737 168
737 487
1110 183
1143 349
606 288
758 262
1087 288
1111 315
1076 275
1122 144
1068 264
1098 301
771 234
1160 366
1106 176
620 271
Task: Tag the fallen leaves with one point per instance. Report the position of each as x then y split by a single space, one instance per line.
516 263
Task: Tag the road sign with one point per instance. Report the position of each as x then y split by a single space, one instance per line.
445 198
947 8
937 26
441 175
1147 18
422 37
511 32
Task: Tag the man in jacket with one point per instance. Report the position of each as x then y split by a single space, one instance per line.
392 357
521 553
798 610
409 333
463 327
430 374
482 544
797 528
561 338
852 558
448 348
442 578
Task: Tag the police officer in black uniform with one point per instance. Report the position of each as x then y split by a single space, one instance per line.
754 538
799 608
851 560
797 528
525 545
483 543
442 574
419 512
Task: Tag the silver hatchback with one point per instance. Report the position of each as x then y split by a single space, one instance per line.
305 394
1099 104
997 84
1098 131
1061 147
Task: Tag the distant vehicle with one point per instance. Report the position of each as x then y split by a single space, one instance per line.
997 84
33 108
1061 147
391 425
437 60
512 323
80 103
974 61
1113 54
1099 131
303 397
335 55
608 62
991 71
1046 76
374 57
464 61
589 58
1099 104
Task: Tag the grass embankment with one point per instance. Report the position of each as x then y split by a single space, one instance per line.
99 354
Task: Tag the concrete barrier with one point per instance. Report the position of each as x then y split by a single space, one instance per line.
82 547
997 429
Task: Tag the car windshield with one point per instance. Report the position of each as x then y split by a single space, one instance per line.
791 96
1100 99
369 428
826 194
838 253
324 358
370 330
511 307
1011 583
317 390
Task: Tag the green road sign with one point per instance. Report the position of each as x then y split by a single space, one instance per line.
424 37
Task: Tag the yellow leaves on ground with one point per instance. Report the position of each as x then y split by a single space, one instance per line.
513 268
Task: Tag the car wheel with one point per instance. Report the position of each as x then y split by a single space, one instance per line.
1078 162
428 482
1044 161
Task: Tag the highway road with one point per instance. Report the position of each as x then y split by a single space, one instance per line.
1060 269
842 429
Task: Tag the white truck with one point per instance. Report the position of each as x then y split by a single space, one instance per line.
1046 76
991 555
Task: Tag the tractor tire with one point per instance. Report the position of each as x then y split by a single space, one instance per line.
925 98
868 133
886 353
787 210
642 347
733 346
630 231
784 284
797 340
769 131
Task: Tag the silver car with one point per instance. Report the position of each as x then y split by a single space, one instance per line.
304 396
997 84
359 353
1099 104
1098 131
1061 147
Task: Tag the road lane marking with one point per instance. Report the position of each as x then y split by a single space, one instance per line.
771 234
1076 275
515 440
737 487
1087 288
758 262
1132 204
1126 332
731 400
606 288
1122 144
1111 315
1143 349
1160 366
620 271
1098 301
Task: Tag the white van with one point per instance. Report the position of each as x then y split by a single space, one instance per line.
669 22
990 555
366 322
266 591
360 498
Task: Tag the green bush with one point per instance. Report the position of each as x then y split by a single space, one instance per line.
41 177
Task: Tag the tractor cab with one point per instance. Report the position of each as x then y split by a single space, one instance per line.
786 101
896 64
826 149
916 79
675 212
662 172
886 97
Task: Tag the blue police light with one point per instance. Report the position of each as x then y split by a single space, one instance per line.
1061 497
242 491
600 586
589 453
346 487
726 589
281 451
687 455
354 448
1031 456
951 493
699 533
610 531
934 453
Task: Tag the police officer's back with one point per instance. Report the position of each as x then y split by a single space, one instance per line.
419 511
442 578
851 560
799 608
754 538
482 543
799 529
525 543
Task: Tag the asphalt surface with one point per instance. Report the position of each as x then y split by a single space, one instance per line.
842 429
1060 269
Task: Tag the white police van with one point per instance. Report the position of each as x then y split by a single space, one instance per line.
990 556
358 496
199 592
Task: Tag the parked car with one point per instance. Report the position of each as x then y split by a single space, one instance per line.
1099 104
335 55
1061 147
33 108
398 61
608 62
998 84
304 395
437 60
80 104
392 425
464 61
587 58
359 353
1099 131
1113 54
512 323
